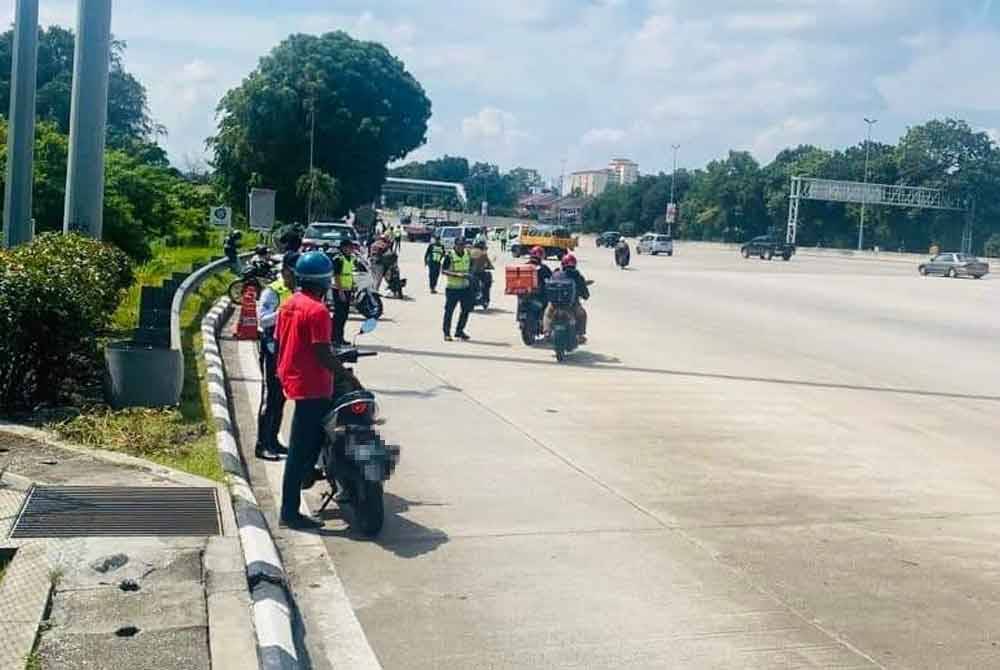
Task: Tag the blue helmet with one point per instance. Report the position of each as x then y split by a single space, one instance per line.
314 269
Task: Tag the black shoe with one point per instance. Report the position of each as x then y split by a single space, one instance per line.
463 337
279 449
300 523
311 478
263 453
448 338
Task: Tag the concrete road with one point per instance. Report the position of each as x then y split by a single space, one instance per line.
752 465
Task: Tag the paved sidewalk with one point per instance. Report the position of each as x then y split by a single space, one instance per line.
127 602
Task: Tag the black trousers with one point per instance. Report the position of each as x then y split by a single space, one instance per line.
340 312
273 401
434 269
303 452
457 297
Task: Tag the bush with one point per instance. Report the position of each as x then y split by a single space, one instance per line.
56 296
993 246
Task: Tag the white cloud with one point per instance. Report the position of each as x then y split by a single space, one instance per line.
492 125
602 136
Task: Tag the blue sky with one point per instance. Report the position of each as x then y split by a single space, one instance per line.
536 82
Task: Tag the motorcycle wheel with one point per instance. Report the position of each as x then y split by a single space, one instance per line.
369 508
371 309
560 355
526 335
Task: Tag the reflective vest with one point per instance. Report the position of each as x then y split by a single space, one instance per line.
278 286
461 263
345 280
437 253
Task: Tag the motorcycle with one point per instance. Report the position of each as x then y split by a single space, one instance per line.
259 272
529 318
481 284
367 301
356 460
562 330
622 256
395 281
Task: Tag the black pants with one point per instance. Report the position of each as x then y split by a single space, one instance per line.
340 311
273 401
457 297
303 452
434 269
485 280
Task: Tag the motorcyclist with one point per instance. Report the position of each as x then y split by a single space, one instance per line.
382 247
432 259
622 252
231 248
570 271
481 267
536 257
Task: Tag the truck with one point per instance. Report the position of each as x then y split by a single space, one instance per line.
767 247
556 240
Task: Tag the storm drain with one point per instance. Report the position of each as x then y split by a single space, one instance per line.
84 511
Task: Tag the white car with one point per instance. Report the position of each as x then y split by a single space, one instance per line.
448 235
652 243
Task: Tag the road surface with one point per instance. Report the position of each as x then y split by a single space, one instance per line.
752 465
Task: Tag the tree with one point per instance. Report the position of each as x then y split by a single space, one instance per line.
368 112
323 190
128 109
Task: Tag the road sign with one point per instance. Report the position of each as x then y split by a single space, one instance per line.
261 209
671 212
484 208
221 216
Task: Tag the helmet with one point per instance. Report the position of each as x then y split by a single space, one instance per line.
537 252
314 269
569 261
260 250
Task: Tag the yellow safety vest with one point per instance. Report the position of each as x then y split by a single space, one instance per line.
278 286
461 263
346 277
437 253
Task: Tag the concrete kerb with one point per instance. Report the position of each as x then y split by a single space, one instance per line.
266 576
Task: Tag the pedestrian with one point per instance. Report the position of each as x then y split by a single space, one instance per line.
456 267
272 402
343 290
503 240
432 259
306 365
398 239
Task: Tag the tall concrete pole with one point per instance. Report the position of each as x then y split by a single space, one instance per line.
17 228
88 119
864 198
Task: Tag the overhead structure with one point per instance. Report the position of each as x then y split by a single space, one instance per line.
833 190
425 187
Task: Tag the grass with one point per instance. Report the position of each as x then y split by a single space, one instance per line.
181 438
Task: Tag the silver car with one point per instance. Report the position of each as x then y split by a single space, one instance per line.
652 243
955 265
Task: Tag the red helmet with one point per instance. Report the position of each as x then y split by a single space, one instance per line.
537 252
569 261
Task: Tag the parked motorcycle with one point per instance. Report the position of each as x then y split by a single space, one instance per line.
356 460
622 255
529 318
367 301
395 281
259 272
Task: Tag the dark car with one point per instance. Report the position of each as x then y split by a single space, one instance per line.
766 247
608 239
955 265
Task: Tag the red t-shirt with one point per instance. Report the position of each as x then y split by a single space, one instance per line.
302 322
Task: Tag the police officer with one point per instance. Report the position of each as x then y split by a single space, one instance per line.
272 399
456 267
343 290
432 259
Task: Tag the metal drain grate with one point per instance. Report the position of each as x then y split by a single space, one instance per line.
81 511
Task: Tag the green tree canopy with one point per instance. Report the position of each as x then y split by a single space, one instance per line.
368 110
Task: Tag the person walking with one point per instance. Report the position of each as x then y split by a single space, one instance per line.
398 238
432 259
306 365
457 266
343 290
272 398
503 233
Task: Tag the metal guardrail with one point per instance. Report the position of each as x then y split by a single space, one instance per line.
185 288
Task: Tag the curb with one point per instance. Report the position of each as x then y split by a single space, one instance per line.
268 582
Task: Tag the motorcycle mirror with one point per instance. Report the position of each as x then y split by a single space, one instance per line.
368 326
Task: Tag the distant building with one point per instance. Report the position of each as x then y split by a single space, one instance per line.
624 171
588 183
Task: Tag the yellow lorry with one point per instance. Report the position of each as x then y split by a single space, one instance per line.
557 241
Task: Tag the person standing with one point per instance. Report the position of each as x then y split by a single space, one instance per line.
504 234
433 258
398 238
457 266
272 399
306 365
343 290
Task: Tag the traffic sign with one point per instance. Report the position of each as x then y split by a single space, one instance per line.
221 216
671 212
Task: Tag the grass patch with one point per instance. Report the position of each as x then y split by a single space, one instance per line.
181 438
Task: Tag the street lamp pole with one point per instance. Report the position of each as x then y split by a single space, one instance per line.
864 197
673 178
312 149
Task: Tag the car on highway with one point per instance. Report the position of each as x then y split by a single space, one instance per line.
655 244
766 247
331 233
608 239
449 234
955 265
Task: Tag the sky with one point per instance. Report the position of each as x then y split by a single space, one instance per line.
570 84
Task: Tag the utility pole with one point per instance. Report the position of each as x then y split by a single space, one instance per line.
673 177
17 228
864 198
84 210
312 149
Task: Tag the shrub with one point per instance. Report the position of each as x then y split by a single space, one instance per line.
993 246
56 296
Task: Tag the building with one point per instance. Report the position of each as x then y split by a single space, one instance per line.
624 171
588 183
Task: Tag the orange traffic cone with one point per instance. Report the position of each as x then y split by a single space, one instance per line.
246 325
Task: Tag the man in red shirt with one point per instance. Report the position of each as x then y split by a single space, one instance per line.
306 364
